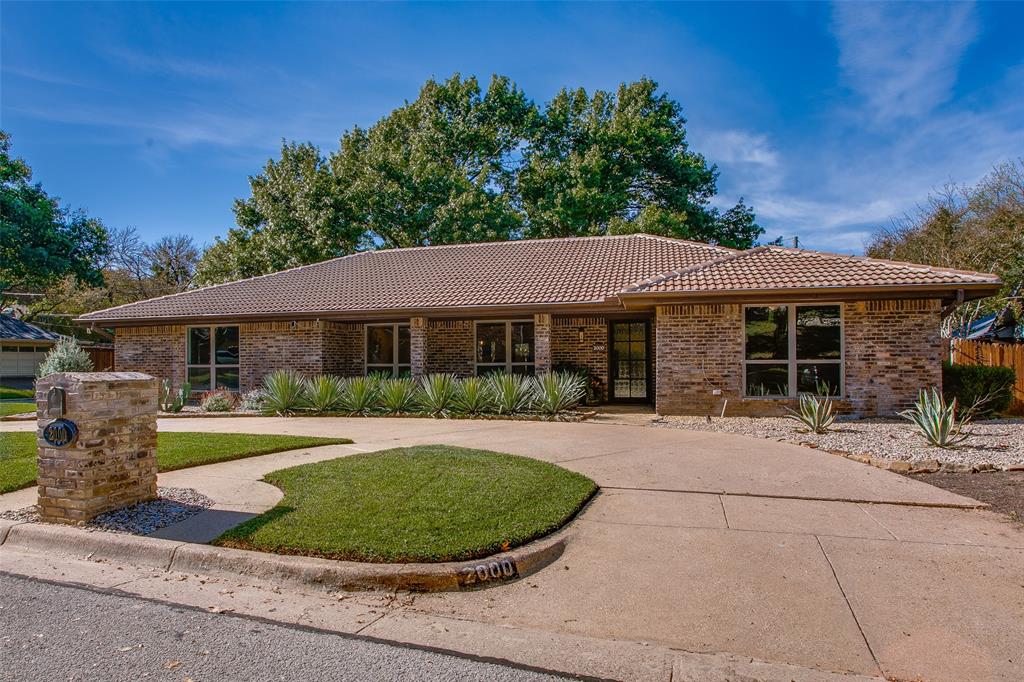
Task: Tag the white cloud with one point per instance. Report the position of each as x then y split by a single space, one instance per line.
171 65
739 147
902 58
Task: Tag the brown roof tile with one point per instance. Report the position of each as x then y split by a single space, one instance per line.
540 271
775 267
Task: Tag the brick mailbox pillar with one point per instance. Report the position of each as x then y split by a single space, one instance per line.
97 443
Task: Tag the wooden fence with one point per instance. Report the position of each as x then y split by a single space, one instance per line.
102 358
968 352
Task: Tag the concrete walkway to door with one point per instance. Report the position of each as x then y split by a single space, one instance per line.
713 543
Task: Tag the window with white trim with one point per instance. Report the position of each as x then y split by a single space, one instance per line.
388 349
212 358
505 346
792 349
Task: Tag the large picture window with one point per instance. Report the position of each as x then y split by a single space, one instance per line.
388 349
793 349
504 347
212 356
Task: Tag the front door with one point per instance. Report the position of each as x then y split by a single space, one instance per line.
630 369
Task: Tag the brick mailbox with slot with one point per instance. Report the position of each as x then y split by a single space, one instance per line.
97 443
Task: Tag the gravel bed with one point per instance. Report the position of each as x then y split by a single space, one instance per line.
997 443
172 505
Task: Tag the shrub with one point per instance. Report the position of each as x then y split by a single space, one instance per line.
218 401
253 400
284 390
66 356
397 395
512 393
473 396
982 391
323 393
936 420
173 401
556 392
436 394
815 412
359 395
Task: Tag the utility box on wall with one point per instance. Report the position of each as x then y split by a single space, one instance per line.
96 436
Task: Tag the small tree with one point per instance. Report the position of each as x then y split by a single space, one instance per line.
66 356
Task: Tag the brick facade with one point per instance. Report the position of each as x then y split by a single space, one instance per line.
157 351
450 347
590 352
892 349
344 348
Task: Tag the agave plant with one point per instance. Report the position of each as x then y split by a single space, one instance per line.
437 393
397 395
815 412
473 397
512 393
359 395
936 420
323 393
556 392
285 392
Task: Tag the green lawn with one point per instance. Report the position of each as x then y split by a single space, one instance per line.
174 451
8 392
425 503
16 408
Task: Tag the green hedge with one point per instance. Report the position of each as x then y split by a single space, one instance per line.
971 383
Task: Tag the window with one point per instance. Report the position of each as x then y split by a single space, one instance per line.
212 356
504 347
388 349
792 349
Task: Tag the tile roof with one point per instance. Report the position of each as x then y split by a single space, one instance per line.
539 271
13 329
775 268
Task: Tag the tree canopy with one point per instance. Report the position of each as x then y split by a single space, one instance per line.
462 163
42 242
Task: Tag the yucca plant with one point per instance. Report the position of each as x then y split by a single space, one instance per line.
817 413
285 392
557 392
397 396
512 393
436 394
359 395
473 397
323 393
171 400
936 420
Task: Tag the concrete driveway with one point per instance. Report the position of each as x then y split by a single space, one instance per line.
706 542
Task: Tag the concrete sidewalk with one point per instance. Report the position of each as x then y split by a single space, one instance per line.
718 545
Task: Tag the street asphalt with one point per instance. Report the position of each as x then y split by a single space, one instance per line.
57 632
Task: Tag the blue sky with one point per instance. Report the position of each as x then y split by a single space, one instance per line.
829 119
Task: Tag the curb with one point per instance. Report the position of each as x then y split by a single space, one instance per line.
171 555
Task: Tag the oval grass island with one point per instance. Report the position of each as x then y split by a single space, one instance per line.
429 503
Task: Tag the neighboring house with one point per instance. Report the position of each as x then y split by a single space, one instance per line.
22 347
1002 326
684 325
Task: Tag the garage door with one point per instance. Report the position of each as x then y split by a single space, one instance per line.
20 361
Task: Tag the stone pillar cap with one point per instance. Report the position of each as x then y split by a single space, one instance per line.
98 376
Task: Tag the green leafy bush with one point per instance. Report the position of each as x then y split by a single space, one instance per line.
285 392
937 420
512 393
360 395
983 391
558 392
815 412
253 400
323 393
437 393
171 400
218 401
473 397
66 356
398 396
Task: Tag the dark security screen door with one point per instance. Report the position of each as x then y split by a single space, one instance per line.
629 361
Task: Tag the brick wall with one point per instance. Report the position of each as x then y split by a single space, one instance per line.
266 347
450 347
566 346
892 348
344 349
157 351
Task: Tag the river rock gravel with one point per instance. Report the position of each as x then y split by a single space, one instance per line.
172 506
997 443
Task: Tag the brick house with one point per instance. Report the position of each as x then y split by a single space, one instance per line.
682 325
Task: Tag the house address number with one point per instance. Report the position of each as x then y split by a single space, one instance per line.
491 571
600 347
